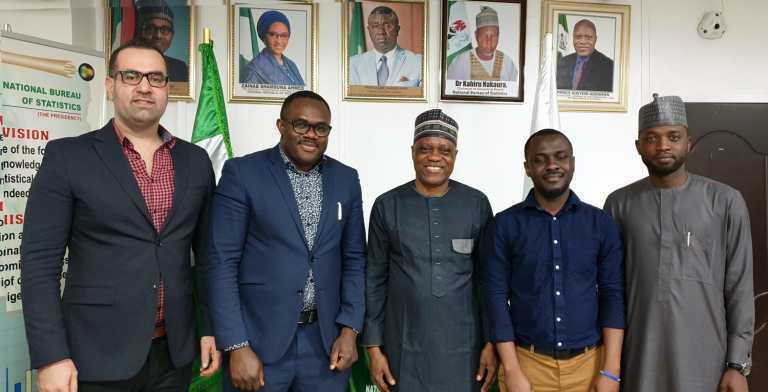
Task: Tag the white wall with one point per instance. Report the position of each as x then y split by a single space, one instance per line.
666 56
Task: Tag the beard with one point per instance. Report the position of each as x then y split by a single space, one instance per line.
551 194
663 170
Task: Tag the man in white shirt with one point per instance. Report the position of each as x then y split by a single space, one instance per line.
484 62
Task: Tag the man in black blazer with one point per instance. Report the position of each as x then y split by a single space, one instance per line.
128 201
587 69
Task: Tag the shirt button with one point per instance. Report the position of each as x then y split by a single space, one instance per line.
554 218
555 241
558 319
313 259
557 267
159 244
559 344
557 292
153 288
299 292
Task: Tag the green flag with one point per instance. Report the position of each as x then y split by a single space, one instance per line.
459 37
211 131
249 40
563 47
357 31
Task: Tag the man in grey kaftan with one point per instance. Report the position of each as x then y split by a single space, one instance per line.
422 275
690 312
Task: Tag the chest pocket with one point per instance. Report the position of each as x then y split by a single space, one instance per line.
697 258
582 258
462 252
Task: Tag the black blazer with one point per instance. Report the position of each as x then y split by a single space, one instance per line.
85 197
597 76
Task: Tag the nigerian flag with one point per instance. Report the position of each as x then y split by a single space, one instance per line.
356 31
563 48
459 38
211 131
249 40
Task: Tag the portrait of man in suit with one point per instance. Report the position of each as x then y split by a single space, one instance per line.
387 64
587 68
155 23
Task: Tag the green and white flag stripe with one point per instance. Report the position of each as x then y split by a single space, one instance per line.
249 40
459 40
211 131
563 45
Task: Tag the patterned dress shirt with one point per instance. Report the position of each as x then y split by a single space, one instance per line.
157 189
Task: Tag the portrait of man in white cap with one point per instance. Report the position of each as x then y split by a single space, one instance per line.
484 62
155 22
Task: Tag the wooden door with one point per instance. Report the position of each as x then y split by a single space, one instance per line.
730 145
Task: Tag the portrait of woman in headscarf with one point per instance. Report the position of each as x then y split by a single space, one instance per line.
271 66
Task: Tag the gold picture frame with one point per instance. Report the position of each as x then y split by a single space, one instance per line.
408 82
602 79
256 84
180 91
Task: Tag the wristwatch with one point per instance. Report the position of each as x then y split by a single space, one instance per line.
743 368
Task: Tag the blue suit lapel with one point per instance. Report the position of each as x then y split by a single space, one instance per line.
329 200
369 68
394 70
284 184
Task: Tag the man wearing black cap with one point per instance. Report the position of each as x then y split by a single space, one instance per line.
155 21
423 327
690 310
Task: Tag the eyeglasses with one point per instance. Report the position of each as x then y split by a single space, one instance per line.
133 78
274 35
152 29
386 27
301 127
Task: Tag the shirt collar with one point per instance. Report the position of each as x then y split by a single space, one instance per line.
291 166
168 139
579 59
390 56
531 202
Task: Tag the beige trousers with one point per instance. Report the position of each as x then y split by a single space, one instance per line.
547 374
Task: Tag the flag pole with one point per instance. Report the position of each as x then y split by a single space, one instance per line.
206 36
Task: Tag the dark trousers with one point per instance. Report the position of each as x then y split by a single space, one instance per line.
305 367
157 375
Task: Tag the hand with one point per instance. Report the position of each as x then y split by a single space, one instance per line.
403 79
344 352
733 381
209 356
380 369
489 362
58 377
602 383
517 382
246 369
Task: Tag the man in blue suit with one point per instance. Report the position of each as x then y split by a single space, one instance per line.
287 260
387 64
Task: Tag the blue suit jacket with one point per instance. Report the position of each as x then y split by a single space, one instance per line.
259 258
362 69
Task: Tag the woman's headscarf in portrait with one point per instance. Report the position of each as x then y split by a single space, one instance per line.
267 19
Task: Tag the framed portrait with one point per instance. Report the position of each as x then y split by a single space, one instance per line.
592 42
385 50
483 50
272 50
169 24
